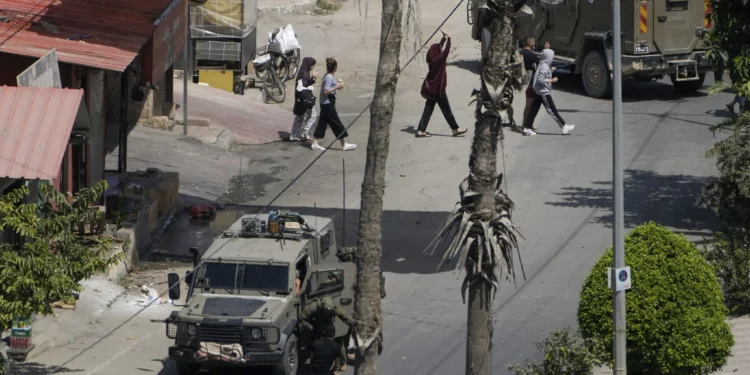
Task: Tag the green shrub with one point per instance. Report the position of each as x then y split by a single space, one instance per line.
730 256
729 194
565 353
675 310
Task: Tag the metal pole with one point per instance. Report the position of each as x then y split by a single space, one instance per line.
620 365
186 69
343 216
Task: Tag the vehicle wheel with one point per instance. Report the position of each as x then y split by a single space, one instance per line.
273 87
595 74
188 369
485 41
290 358
688 87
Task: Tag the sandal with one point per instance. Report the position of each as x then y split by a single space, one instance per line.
423 135
460 132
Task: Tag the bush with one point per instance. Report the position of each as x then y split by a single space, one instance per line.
675 310
729 194
730 256
565 353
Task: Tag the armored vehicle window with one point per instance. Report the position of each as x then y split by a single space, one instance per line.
673 5
322 282
225 277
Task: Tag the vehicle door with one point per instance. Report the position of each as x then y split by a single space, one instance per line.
335 281
675 24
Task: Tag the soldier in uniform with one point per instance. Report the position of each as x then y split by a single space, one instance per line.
321 315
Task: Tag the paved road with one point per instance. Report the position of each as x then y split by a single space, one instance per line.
560 185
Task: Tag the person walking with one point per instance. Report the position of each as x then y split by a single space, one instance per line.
433 88
530 62
543 95
737 98
328 114
304 102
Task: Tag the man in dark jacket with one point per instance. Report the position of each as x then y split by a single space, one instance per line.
433 88
325 352
321 316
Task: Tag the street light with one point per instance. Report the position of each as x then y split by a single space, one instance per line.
620 366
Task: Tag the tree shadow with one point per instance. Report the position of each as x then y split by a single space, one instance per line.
33 368
406 234
669 200
471 65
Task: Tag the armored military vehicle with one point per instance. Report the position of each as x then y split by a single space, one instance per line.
242 308
660 37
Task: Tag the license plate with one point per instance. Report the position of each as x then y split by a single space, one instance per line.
642 48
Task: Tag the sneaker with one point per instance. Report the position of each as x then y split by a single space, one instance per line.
349 146
294 139
567 128
528 132
317 147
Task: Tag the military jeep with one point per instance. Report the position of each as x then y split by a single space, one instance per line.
242 309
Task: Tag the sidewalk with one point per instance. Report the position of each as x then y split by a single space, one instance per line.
248 121
739 362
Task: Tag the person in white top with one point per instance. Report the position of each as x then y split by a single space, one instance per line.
328 114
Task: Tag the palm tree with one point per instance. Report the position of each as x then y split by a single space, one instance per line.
479 232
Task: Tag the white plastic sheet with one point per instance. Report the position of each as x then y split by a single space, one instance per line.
285 40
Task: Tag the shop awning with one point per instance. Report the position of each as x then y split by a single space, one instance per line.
36 129
104 34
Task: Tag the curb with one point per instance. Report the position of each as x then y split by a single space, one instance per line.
302 6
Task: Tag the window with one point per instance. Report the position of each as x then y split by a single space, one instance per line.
323 282
674 5
224 277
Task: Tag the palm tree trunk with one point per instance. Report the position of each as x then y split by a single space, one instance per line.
482 180
367 293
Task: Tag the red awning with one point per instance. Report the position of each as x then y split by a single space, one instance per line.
104 34
35 130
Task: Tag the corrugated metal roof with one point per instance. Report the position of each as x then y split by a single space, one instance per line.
105 34
35 126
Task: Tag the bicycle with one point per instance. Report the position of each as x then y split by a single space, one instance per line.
265 65
286 62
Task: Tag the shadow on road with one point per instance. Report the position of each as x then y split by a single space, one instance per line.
632 91
33 368
665 199
405 233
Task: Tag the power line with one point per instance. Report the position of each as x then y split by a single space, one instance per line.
367 107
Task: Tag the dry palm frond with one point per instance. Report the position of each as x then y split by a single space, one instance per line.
482 243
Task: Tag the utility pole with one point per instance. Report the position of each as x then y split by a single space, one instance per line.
619 206
186 69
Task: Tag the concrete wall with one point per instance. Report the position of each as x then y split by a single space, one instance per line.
98 115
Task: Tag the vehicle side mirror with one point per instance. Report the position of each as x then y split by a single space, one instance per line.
173 280
194 251
188 277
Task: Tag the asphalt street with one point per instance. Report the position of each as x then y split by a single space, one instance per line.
561 186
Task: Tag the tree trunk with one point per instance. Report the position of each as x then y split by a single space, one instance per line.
367 294
482 180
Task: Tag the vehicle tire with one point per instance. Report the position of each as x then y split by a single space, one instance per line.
290 358
188 369
688 87
273 87
595 74
485 37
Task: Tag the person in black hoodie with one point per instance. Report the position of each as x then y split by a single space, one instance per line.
304 101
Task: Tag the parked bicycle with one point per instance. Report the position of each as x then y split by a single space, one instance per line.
266 71
285 52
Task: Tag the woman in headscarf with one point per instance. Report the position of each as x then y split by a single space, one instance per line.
304 101
433 88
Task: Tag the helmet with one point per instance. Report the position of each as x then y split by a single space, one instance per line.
327 303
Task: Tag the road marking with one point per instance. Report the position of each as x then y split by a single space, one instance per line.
120 353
